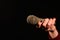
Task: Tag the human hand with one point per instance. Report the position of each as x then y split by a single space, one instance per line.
50 25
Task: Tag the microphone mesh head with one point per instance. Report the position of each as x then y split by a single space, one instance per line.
32 19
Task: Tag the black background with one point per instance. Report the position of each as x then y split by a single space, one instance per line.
14 13
42 9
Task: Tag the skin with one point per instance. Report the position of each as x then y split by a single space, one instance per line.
50 25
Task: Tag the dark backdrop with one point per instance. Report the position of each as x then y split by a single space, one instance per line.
41 9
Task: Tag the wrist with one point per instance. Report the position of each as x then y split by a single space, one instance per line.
53 34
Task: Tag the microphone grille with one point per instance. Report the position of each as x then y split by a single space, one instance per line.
32 19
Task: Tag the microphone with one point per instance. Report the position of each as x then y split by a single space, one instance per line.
32 19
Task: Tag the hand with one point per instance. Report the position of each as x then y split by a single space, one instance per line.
50 25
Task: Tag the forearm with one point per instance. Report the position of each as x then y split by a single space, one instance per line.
56 38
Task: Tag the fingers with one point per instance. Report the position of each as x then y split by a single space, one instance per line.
45 22
51 21
50 24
